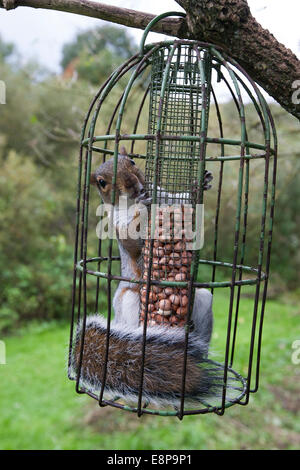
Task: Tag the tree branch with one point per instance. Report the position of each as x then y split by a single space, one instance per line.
124 16
227 23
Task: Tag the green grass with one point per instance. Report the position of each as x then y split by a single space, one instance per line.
39 408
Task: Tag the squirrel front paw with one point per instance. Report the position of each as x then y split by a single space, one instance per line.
208 177
144 198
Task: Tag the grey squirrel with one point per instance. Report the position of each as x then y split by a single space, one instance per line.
164 355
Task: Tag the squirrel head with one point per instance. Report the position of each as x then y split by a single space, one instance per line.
129 182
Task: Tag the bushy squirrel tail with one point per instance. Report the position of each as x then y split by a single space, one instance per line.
163 365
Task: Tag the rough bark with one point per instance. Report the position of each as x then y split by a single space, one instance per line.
227 23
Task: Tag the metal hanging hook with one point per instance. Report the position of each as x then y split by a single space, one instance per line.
156 20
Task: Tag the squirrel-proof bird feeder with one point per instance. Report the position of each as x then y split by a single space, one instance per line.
169 106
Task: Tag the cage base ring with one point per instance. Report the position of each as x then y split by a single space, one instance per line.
235 382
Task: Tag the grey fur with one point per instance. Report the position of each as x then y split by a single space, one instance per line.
158 390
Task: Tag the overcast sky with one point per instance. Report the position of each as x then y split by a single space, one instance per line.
40 34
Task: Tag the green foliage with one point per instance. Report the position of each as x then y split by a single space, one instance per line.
6 49
35 257
112 38
97 52
96 69
286 248
42 118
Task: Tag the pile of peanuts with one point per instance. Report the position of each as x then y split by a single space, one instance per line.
171 261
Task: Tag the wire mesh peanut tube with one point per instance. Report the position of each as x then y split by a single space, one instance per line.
178 106
171 262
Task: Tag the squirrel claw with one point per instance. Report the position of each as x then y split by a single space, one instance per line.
208 177
144 199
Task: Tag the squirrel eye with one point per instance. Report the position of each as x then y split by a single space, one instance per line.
132 162
102 183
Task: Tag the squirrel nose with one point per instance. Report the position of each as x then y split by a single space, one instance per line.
140 190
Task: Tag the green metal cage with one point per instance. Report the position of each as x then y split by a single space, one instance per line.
181 108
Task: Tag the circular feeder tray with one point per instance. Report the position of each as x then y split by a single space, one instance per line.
232 394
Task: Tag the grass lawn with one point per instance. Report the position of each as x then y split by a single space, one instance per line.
39 408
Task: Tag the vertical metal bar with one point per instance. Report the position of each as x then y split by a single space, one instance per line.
76 243
85 203
205 84
269 122
83 274
121 74
104 158
154 202
246 197
262 237
260 260
114 179
269 247
237 224
139 115
109 280
216 230
75 259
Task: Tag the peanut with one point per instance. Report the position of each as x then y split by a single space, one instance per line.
164 312
181 311
171 261
174 299
184 301
165 305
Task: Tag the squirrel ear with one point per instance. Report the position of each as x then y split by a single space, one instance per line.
93 179
123 151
